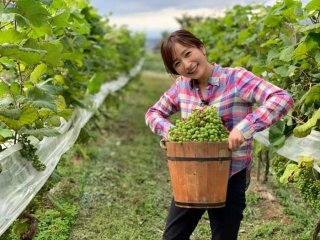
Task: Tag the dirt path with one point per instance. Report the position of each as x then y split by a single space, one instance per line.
269 206
265 217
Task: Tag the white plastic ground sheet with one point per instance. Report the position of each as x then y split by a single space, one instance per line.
295 147
19 181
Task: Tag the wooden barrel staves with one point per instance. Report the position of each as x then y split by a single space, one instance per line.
199 173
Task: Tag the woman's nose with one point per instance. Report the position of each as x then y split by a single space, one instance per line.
186 64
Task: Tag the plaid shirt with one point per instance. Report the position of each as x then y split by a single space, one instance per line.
233 91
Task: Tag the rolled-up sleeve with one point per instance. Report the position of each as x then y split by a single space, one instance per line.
274 102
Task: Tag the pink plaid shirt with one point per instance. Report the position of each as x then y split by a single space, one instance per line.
233 91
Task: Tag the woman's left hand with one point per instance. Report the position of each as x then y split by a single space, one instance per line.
235 139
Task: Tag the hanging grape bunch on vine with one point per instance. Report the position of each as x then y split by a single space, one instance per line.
28 151
203 125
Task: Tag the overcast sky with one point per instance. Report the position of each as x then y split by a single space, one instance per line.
155 16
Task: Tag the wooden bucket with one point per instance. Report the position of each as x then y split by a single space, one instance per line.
199 173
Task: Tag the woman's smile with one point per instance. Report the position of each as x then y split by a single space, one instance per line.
193 69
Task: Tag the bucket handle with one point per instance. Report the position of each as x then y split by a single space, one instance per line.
162 143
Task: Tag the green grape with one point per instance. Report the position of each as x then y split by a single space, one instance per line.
202 125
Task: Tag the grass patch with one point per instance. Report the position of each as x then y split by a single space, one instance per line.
131 174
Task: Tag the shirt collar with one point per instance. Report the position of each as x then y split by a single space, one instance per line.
213 80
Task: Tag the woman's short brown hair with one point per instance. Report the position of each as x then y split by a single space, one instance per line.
183 37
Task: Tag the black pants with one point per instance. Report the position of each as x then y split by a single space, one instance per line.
224 222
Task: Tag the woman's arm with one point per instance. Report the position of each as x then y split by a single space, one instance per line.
275 102
156 116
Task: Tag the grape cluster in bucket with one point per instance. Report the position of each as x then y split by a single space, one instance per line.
202 125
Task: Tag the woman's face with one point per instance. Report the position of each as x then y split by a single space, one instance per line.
191 62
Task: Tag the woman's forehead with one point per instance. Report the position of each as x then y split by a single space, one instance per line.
178 49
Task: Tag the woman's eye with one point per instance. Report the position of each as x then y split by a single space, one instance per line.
187 54
176 64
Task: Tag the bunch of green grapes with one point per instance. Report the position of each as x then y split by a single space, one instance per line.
202 125
278 164
309 185
28 151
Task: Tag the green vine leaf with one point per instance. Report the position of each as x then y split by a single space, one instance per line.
276 134
53 51
95 83
4 89
287 54
28 55
40 133
282 71
25 116
5 134
38 72
15 89
33 11
45 112
290 173
66 114
6 101
8 63
61 18
313 5
305 161
243 36
312 96
41 98
307 28
305 129
298 11
300 52
273 20
7 17
11 113
11 36
53 121
272 54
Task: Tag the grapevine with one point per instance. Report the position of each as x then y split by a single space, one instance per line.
203 125
54 54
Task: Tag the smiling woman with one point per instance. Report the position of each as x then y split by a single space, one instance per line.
233 91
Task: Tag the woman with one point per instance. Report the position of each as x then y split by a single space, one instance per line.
233 91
